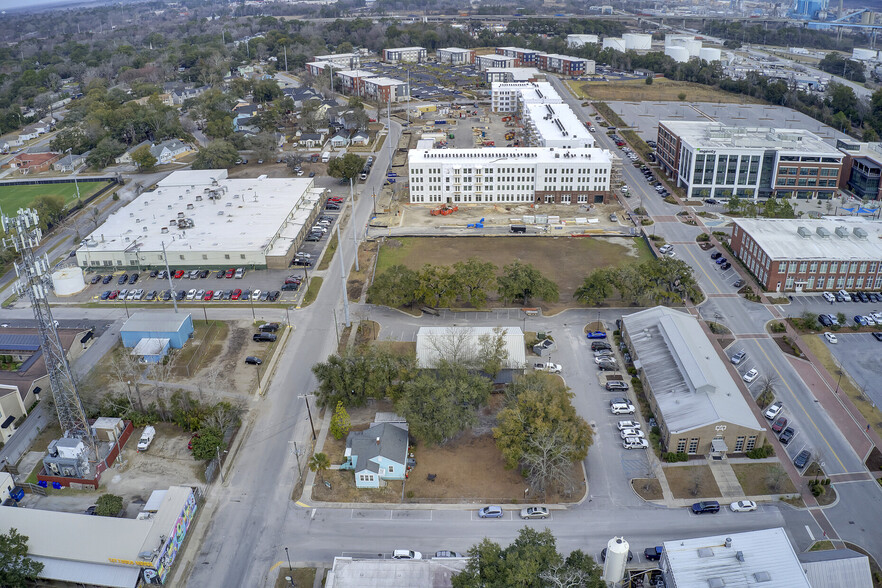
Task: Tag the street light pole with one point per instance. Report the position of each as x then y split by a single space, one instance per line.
309 412
289 559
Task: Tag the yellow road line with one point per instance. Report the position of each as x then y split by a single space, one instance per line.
275 565
701 267
302 504
780 377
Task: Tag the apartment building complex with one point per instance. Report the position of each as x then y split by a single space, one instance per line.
547 120
341 60
525 175
512 74
384 89
486 62
523 57
711 160
405 54
565 65
456 56
796 255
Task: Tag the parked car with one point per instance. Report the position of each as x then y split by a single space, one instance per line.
726 265
178 274
123 279
208 295
738 357
743 506
95 279
406 554
490 512
551 368
878 336
269 327
237 293
774 410
107 279
779 424
534 512
621 406
802 459
825 320
134 278
253 360
706 506
263 337
622 425
829 297
716 255
830 337
787 435
653 553
105 295
625 433
598 345
750 376
616 386
597 334
446 554
273 295
737 283
204 274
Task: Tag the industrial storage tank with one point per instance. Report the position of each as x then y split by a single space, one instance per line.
677 53
863 54
675 39
575 41
637 41
616 560
710 54
616 43
693 46
68 281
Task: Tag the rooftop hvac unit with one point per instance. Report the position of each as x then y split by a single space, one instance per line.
144 229
173 222
198 198
169 206
841 232
180 215
860 233
804 232
189 206
822 232
163 230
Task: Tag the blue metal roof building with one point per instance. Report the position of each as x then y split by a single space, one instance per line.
157 324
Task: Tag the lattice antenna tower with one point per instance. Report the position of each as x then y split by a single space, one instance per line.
23 232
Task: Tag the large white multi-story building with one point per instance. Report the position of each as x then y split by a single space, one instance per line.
384 89
205 220
711 160
512 175
548 121
343 60
486 62
408 54
512 74
455 56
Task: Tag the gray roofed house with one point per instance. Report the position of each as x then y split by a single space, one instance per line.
836 568
70 162
311 139
377 454
127 156
691 392
167 151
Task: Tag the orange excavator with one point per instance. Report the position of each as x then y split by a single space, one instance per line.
443 210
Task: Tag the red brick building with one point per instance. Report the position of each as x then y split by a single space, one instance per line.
27 163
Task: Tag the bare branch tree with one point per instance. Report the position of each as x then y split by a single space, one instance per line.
547 462
561 575
125 368
453 346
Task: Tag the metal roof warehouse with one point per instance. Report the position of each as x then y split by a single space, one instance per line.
205 219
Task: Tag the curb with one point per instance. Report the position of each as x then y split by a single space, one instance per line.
274 363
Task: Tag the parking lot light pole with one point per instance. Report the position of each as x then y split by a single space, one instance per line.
309 413
289 559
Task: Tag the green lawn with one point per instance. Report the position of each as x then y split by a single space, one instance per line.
14 197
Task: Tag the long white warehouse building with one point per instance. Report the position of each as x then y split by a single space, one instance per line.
526 175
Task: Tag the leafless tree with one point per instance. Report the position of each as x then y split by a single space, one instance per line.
125 369
695 480
453 346
224 415
559 575
492 352
768 383
547 463
775 478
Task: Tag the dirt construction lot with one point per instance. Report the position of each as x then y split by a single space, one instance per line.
418 215
573 258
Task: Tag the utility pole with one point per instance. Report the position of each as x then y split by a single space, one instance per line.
286 58
168 274
343 280
352 222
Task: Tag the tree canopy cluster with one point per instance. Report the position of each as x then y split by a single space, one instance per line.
531 561
467 282
664 280
770 208
17 570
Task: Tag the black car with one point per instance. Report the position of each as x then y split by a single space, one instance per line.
107 279
204 273
123 279
863 296
227 295
710 201
253 360
166 295
825 320
274 295
801 460
290 287
653 553
151 295
154 273
264 337
264 297
786 435
313 237
716 255
133 278
598 345
878 336
95 279
725 266
269 327
220 274
246 295
706 506
181 294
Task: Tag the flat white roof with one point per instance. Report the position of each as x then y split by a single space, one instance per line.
754 558
335 56
521 74
456 50
518 49
556 122
713 135
433 343
381 81
840 238
689 381
393 573
407 49
514 155
155 320
529 92
564 57
355 73
322 64
495 58
150 346
245 216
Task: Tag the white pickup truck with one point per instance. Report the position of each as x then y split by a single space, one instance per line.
551 368
146 438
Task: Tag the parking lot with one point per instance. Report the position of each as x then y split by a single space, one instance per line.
858 354
430 81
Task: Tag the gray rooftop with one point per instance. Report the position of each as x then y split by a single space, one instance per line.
155 321
851 238
714 135
836 567
689 381
19 342
392 443
756 558
393 573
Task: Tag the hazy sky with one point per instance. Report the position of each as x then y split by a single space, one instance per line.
11 4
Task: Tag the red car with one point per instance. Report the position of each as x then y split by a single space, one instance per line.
236 294
113 295
337 199
208 295
779 424
230 273
179 274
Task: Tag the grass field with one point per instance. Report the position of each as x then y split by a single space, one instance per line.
662 89
565 261
14 197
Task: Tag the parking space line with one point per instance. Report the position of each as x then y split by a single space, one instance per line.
701 267
796 398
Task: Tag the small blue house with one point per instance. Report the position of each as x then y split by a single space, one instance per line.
157 324
377 454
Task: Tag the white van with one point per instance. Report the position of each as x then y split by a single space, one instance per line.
326 157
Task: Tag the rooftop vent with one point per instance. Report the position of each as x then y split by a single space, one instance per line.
762 577
822 232
739 556
728 542
144 229
180 196
189 206
804 232
716 582
841 232
859 233
169 206
705 552
131 215
220 212
198 198
163 230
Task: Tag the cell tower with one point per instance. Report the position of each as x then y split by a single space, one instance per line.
23 233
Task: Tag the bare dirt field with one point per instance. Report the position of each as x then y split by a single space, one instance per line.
418 215
692 482
661 89
760 478
574 258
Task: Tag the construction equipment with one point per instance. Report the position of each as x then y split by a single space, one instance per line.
443 210
509 136
506 118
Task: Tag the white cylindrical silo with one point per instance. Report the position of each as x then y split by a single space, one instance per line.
675 39
679 54
637 41
693 46
68 281
710 54
616 560
616 43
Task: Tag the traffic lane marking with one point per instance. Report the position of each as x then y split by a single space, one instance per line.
701 267
799 403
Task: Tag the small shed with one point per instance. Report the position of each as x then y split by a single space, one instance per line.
151 349
157 324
